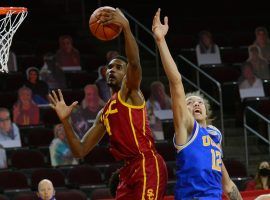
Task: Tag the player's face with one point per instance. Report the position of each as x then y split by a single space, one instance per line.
197 108
116 71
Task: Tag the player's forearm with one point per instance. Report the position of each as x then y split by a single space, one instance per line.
168 62
75 144
233 193
131 48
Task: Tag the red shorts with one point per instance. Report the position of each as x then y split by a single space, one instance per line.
143 178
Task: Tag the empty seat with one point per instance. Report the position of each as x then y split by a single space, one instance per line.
101 193
84 175
13 180
48 116
224 73
235 168
55 175
26 196
100 155
7 99
70 195
27 158
77 80
110 170
3 197
12 81
37 136
73 95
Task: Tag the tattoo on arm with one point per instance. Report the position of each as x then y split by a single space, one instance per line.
234 194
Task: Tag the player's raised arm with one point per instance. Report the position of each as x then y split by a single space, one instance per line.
183 120
94 134
134 71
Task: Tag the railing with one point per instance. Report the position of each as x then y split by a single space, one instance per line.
137 26
248 128
196 85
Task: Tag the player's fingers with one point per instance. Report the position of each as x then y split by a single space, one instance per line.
60 95
51 99
55 96
74 104
166 20
158 13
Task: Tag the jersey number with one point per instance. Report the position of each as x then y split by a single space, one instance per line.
216 160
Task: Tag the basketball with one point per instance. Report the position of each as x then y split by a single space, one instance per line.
103 32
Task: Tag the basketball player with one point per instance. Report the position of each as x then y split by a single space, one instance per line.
200 171
144 175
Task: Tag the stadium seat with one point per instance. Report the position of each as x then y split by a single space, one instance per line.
109 170
36 136
84 175
26 196
3 197
55 175
27 158
101 193
100 155
235 168
70 195
13 180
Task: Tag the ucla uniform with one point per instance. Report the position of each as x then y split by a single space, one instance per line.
199 164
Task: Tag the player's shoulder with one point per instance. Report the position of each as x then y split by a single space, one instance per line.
215 133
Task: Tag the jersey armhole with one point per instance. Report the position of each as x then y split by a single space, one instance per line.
190 140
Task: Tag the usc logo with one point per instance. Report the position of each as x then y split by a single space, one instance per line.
150 194
107 113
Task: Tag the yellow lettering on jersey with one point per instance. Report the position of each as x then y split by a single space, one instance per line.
216 160
107 113
150 194
206 140
216 154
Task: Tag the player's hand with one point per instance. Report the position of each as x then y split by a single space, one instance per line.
58 104
109 16
159 30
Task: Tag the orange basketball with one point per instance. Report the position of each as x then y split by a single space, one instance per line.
103 32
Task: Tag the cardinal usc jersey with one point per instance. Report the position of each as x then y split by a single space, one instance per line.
128 128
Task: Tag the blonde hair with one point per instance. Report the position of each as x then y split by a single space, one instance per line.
206 103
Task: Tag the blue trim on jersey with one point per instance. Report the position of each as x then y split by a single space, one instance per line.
199 167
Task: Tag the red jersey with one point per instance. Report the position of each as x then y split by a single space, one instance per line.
144 176
128 128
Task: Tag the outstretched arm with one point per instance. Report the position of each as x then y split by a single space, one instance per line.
79 148
134 71
229 188
183 120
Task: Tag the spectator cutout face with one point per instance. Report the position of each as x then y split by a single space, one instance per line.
91 96
5 122
45 189
25 95
66 44
60 132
